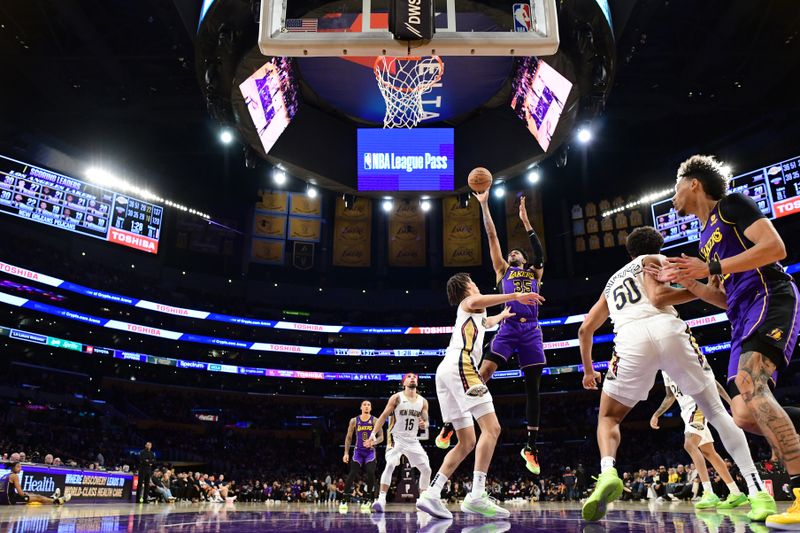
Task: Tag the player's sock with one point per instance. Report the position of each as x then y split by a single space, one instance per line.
532 435
794 415
478 483
707 488
438 484
733 488
382 497
606 463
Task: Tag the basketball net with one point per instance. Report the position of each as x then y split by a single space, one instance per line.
403 82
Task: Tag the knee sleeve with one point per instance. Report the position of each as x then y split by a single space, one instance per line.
731 435
386 477
424 476
533 376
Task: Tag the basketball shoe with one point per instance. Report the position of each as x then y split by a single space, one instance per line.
733 501
708 501
607 489
789 519
762 505
531 457
484 506
443 438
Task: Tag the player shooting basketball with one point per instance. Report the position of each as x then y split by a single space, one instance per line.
520 332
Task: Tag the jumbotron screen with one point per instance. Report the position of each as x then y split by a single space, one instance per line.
405 160
775 189
539 93
33 193
271 98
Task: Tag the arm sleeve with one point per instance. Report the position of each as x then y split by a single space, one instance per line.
739 210
538 252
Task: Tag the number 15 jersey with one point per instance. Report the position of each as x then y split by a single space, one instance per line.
626 298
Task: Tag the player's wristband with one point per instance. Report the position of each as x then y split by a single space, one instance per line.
715 268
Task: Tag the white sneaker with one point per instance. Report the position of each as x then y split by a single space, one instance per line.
55 494
378 506
477 390
433 506
484 506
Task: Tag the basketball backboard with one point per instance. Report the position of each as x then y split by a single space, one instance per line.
361 28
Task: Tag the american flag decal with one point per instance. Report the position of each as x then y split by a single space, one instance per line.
301 25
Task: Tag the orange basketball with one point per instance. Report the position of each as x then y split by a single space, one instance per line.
479 179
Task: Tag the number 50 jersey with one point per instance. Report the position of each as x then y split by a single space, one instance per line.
626 297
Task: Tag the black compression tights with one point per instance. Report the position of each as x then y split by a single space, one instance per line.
355 468
533 376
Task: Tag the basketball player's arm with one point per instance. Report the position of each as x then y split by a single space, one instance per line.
498 261
477 303
711 292
14 480
669 399
768 247
723 393
492 321
424 414
596 317
378 436
661 294
537 259
350 430
390 407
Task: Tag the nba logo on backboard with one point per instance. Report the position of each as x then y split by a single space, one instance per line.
522 17
367 161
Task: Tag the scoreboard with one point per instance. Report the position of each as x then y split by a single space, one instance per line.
31 192
774 188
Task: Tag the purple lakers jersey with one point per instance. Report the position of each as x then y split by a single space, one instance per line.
723 236
363 431
518 280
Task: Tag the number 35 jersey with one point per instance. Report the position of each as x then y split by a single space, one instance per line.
520 280
626 298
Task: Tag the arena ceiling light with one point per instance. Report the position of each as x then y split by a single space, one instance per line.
584 134
387 204
312 192
500 190
106 179
534 176
647 199
279 176
226 136
425 205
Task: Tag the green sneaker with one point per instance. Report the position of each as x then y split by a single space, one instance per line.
708 501
733 501
761 506
608 489
343 507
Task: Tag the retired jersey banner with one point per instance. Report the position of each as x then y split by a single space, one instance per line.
516 236
273 202
305 229
407 235
268 251
352 234
303 206
269 226
462 233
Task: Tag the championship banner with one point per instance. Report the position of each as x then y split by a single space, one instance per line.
352 234
267 251
516 236
305 229
273 202
304 206
269 226
462 233
406 235
83 485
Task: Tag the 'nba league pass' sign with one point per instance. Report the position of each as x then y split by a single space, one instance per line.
405 160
